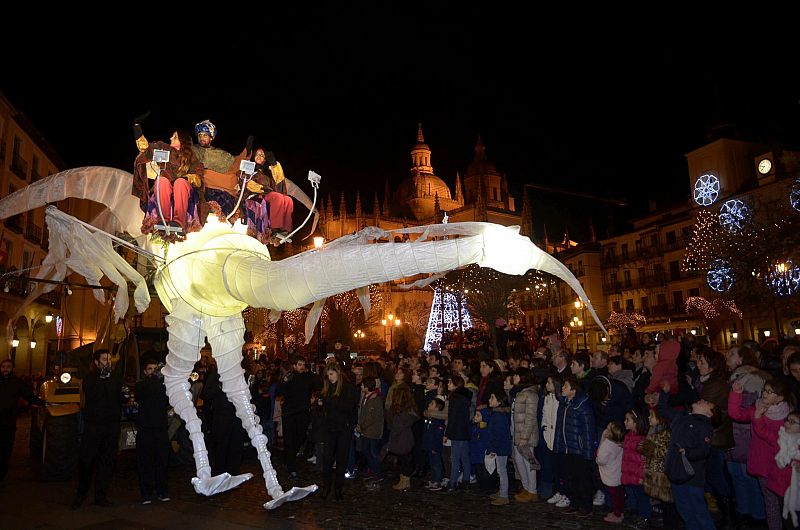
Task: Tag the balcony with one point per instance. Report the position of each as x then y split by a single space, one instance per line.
14 223
675 245
649 251
650 279
33 233
656 311
19 166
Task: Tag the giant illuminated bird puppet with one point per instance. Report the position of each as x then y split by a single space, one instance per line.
207 280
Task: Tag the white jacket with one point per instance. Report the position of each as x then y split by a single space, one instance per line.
549 415
609 462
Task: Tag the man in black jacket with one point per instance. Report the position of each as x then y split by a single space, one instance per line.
11 389
152 440
102 408
296 390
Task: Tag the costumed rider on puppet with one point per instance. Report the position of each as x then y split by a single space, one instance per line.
269 207
221 168
177 186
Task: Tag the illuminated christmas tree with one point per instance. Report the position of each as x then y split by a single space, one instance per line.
444 316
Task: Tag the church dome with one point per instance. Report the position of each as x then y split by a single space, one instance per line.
421 186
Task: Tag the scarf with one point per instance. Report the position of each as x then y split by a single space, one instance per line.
789 450
776 412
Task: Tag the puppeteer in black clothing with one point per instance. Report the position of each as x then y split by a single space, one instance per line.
11 389
101 409
152 440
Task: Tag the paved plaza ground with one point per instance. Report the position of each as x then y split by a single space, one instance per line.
28 502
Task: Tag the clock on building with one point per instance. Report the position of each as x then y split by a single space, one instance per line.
764 166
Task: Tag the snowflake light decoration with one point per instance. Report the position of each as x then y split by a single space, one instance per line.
783 278
706 189
720 277
734 215
794 195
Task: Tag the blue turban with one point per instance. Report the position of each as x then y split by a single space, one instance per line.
207 127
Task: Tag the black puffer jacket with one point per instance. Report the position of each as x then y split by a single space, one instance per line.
458 420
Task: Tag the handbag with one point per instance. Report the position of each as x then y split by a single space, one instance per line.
677 466
490 462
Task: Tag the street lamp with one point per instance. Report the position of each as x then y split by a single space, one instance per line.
390 322
358 335
580 305
48 317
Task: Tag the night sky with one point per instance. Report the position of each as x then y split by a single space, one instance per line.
338 90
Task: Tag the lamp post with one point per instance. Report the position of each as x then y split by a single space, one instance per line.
580 305
14 344
358 335
389 322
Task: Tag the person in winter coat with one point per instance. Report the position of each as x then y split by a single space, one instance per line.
296 389
102 400
152 440
666 368
617 370
550 405
712 385
655 482
370 426
458 431
689 444
766 418
525 430
609 463
743 365
610 400
577 440
339 401
402 417
498 446
788 460
12 388
633 462
432 438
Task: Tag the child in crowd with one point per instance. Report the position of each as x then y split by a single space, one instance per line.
549 430
432 443
633 463
609 462
655 483
370 426
498 443
788 460
685 463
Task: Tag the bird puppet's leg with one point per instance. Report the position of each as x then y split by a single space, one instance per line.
226 336
186 337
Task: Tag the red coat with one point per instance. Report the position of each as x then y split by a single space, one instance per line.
632 460
666 368
763 442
